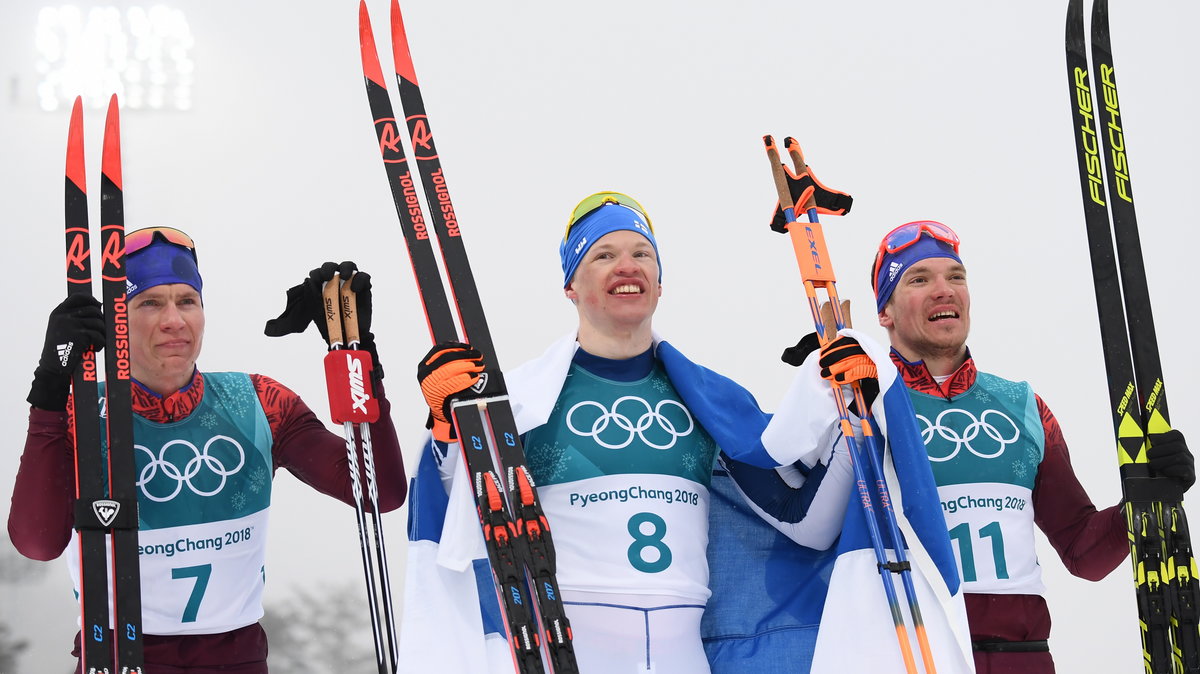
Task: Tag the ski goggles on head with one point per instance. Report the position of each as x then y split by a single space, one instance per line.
906 235
140 239
899 249
158 256
594 217
600 199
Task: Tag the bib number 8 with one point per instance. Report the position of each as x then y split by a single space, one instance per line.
652 539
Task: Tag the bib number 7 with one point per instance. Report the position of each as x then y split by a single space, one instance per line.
201 573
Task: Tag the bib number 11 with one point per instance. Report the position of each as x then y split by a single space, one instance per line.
961 535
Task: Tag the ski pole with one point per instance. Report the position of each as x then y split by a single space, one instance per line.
816 271
350 324
337 372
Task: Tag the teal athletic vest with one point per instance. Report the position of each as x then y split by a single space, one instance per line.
623 469
603 427
985 447
204 492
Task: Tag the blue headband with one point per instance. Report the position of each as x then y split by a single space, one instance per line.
895 264
158 264
591 227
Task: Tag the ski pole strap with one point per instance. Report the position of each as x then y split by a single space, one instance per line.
997 646
806 189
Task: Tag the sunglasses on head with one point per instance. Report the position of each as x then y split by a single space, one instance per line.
906 235
139 239
601 199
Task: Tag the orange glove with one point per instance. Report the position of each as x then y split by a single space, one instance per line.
445 373
844 361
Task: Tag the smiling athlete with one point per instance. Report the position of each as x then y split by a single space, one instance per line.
620 432
998 455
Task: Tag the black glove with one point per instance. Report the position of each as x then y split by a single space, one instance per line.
74 326
305 305
795 355
1169 457
448 372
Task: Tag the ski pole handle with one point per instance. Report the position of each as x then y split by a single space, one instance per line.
829 318
333 317
808 239
793 149
347 371
781 183
350 313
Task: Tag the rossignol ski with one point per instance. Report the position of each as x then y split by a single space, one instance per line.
1163 563
816 271
117 406
516 534
93 507
106 496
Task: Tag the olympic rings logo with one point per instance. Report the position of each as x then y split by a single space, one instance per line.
651 417
963 437
201 460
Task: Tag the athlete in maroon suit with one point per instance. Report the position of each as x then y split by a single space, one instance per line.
166 332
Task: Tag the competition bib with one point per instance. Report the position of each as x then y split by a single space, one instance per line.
622 470
985 447
204 491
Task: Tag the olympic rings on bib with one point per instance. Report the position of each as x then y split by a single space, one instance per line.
651 417
202 460
963 437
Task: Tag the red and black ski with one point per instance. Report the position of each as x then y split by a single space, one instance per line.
93 508
117 407
517 536
105 473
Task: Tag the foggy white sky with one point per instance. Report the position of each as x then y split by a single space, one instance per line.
931 109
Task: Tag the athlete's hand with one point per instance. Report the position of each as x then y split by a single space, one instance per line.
1169 457
795 355
838 364
844 361
305 305
447 373
74 326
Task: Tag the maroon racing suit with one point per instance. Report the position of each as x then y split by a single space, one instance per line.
41 520
1090 542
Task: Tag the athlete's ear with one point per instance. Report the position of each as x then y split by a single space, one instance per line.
885 318
571 294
